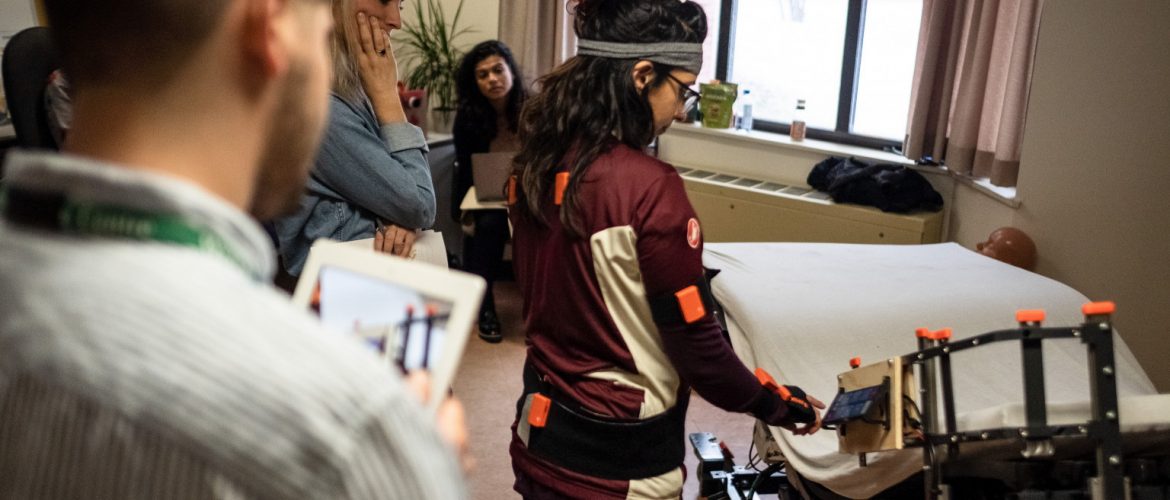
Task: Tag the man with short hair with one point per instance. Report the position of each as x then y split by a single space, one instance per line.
143 353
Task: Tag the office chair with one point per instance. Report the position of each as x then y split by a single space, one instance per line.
29 58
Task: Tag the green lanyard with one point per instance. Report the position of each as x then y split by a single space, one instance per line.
55 212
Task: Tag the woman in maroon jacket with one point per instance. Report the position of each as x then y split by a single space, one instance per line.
607 251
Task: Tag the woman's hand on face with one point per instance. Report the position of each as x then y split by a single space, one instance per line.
378 69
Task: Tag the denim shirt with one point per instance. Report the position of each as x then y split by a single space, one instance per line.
363 171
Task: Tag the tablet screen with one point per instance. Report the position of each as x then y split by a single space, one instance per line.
853 404
400 323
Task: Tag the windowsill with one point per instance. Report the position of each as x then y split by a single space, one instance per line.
1004 195
781 140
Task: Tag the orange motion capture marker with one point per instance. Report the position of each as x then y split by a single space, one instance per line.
767 381
315 300
538 412
691 304
562 183
1030 315
1099 308
855 362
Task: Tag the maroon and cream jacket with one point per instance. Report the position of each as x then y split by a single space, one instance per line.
588 322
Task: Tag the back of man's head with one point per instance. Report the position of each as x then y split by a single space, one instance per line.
141 41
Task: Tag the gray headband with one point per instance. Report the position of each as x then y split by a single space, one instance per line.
688 56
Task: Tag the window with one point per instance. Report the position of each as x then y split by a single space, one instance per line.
714 10
851 61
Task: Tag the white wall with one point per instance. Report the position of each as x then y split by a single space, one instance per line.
16 15
1095 171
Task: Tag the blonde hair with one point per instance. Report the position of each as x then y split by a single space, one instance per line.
347 83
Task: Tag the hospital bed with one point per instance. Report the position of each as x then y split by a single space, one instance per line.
801 311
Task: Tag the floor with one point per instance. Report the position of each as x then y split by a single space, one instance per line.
489 383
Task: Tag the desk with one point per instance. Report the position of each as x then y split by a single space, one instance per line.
471 202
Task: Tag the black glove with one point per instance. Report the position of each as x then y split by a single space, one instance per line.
782 405
800 410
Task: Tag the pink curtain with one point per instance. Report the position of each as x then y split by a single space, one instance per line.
971 80
539 32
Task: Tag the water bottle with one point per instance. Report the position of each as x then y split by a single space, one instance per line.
745 110
798 127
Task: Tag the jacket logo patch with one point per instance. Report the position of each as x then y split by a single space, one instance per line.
694 234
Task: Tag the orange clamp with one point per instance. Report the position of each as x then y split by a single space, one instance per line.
855 362
926 333
691 304
538 412
562 183
1030 315
1099 308
512 190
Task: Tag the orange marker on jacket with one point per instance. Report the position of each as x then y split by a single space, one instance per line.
562 183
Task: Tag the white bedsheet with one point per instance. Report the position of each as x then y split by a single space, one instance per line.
802 310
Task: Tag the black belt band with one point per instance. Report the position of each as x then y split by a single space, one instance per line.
607 449
665 309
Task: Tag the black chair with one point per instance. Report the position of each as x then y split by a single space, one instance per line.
29 59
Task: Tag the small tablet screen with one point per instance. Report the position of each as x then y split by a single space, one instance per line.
852 405
399 323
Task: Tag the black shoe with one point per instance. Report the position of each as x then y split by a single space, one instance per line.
489 327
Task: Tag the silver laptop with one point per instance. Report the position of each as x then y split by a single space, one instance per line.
489 173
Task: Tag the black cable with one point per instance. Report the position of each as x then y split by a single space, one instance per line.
915 423
754 458
767 472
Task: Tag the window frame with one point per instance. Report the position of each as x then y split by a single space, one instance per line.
847 99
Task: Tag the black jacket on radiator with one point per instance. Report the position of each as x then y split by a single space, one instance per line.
889 187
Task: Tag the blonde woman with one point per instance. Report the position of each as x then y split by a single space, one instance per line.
370 177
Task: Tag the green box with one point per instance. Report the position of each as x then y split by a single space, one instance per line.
718 103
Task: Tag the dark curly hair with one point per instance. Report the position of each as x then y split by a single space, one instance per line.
474 111
589 99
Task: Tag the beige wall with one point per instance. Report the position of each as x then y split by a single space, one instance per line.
1095 171
974 215
481 16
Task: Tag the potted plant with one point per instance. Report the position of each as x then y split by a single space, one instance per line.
433 58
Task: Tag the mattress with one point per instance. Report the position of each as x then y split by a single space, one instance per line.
802 310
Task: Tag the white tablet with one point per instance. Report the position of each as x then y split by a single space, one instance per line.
414 315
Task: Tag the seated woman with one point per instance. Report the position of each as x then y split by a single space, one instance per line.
371 177
490 99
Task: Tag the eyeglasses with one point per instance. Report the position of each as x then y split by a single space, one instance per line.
687 96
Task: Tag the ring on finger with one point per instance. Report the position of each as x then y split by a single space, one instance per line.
382 52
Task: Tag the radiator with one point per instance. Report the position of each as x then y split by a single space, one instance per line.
742 209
